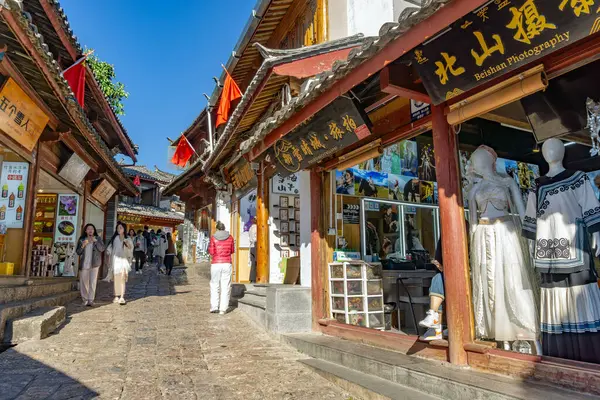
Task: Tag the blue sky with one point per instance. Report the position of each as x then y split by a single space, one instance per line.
166 53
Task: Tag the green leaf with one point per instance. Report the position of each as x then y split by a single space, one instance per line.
113 90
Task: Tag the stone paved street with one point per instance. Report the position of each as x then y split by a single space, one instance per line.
162 344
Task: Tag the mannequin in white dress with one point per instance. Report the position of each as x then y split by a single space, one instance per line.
504 284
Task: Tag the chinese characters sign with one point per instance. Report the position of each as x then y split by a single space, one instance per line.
130 219
104 191
499 37
14 192
242 176
66 218
331 130
285 185
74 170
20 118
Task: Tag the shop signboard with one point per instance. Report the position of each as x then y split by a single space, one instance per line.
419 110
74 170
14 192
337 126
351 214
66 218
130 219
20 117
242 177
285 185
104 192
499 37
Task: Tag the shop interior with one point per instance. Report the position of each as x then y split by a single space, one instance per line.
387 211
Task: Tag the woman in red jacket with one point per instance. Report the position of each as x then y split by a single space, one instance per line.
221 248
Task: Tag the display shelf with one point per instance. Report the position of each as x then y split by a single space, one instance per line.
357 278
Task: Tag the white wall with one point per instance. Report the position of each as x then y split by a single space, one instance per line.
224 209
305 229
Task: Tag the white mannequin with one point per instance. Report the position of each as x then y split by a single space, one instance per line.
553 151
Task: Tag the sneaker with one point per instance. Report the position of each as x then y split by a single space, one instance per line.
90 304
84 303
122 301
116 300
214 311
431 334
221 312
432 320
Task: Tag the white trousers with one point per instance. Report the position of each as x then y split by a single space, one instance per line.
220 286
87 283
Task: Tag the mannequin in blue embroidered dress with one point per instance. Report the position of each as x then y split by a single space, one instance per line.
560 217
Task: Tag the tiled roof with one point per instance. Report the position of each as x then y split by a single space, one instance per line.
75 111
147 174
73 39
149 212
314 87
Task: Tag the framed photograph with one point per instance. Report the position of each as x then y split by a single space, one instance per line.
296 202
292 240
284 240
297 226
284 227
284 201
298 242
292 227
285 254
283 214
297 215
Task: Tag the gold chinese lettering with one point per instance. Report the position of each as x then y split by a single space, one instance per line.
335 131
314 141
349 123
483 14
296 153
447 66
501 4
419 57
486 51
305 148
284 152
528 22
466 24
579 6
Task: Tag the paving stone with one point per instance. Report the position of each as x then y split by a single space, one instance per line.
162 345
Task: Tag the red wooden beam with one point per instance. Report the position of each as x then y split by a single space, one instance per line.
445 16
399 80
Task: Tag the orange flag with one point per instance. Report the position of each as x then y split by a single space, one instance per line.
183 153
231 92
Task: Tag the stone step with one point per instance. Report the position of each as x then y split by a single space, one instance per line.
11 311
9 294
35 325
257 288
257 293
254 301
430 377
255 308
365 386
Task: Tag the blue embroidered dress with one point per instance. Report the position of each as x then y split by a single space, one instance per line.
560 217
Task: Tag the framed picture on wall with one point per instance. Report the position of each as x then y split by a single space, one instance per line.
284 227
292 227
292 240
298 242
283 214
297 215
284 201
284 240
297 226
296 202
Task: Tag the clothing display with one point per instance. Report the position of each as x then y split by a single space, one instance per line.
560 216
504 286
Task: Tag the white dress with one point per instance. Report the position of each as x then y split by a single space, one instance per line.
120 256
504 286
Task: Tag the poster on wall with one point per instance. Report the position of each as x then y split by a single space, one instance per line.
247 213
351 214
14 193
66 218
285 185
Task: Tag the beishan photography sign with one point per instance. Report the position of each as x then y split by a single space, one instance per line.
13 184
20 117
338 125
66 218
104 191
499 37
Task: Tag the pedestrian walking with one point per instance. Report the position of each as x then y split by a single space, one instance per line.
120 249
221 247
170 254
140 247
160 249
89 249
149 236
108 264
252 235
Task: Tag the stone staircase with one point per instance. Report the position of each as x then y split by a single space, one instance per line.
17 301
373 373
253 302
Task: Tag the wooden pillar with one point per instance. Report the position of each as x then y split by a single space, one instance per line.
317 248
30 204
454 238
262 227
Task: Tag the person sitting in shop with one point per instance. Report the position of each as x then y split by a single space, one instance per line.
433 320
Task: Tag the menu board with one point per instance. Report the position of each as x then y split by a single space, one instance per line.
13 184
66 218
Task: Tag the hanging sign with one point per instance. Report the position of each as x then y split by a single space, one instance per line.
499 37
337 126
285 185
66 218
74 170
419 110
351 214
104 192
20 117
242 177
14 192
